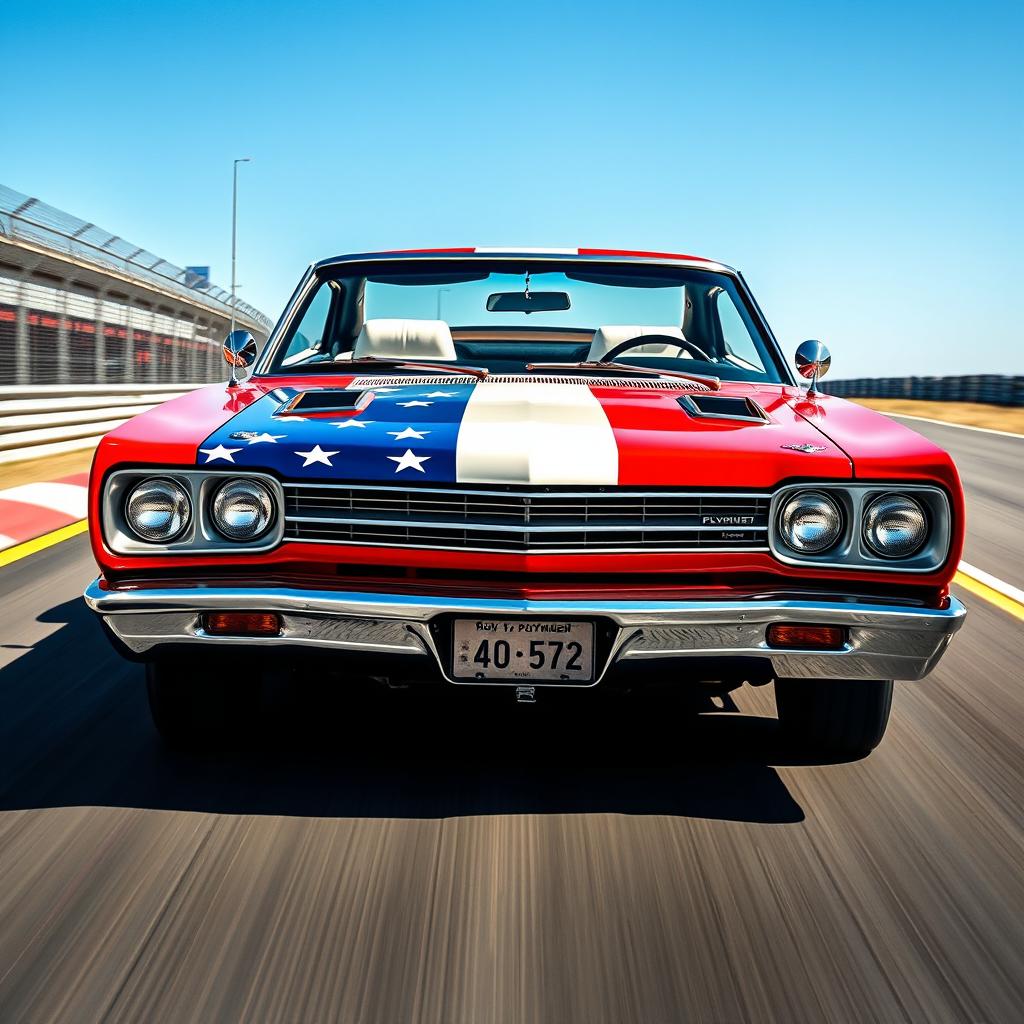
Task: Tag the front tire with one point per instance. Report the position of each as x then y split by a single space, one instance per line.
844 718
194 705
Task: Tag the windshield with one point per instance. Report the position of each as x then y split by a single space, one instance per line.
504 318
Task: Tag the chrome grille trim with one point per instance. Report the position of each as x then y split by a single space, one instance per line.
524 519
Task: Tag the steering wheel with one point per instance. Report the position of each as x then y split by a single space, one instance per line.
653 339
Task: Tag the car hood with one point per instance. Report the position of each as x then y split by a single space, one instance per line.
566 431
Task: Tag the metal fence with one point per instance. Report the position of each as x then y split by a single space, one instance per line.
80 306
987 388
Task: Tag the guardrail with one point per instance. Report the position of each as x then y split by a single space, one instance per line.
53 419
986 388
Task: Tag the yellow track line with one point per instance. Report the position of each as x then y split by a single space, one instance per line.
987 593
30 547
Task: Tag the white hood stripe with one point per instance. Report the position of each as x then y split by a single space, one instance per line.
535 434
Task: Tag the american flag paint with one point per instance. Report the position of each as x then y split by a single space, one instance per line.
442 433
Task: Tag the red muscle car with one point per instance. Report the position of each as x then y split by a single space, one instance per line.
532 468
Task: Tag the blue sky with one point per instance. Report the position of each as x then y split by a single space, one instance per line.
861 163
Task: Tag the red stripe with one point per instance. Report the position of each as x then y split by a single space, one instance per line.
643 255
660 445
22 522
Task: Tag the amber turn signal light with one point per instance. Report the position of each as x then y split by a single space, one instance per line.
243 623
818 638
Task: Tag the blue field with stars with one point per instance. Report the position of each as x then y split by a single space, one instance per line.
404 433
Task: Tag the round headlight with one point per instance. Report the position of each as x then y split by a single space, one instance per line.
895 526
158 510
811 522
243 509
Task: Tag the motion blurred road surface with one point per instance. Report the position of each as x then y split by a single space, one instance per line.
471 860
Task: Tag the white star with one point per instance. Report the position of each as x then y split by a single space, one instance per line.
352 423
316 454
266 438
441 394
220 452
409 461
409 405
401 435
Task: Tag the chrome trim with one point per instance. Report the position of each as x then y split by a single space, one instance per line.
555 491
762 321
693 409
518 255
295 401
200 536
706 550
646 383
886 641
283 325
499 528
853 499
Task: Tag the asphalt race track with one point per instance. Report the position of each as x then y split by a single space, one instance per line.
401 858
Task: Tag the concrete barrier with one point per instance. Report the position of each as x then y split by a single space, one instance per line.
44 420
986 388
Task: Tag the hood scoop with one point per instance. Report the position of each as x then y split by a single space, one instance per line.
722 407
324 401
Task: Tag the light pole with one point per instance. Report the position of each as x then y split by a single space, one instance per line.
234 230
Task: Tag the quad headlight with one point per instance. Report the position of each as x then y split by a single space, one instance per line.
810 522
158 510
895 526
184 511
242 509
862 526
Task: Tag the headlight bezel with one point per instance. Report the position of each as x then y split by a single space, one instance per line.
200 537
852 550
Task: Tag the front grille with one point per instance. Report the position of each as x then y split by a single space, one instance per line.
518 519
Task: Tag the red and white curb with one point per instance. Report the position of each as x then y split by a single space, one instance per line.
30 510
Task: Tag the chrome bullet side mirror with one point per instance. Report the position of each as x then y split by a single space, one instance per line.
812 361
240 351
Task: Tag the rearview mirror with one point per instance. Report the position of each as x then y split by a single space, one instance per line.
520 302
240 351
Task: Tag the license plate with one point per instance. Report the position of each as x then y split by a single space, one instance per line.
523 650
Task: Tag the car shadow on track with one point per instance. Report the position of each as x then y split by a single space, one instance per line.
75 730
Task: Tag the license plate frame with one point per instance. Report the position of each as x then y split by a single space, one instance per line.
521 668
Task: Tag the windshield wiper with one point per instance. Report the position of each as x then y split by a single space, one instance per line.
402 364
624 368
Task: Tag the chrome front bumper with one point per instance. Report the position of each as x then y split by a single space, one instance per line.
885 641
